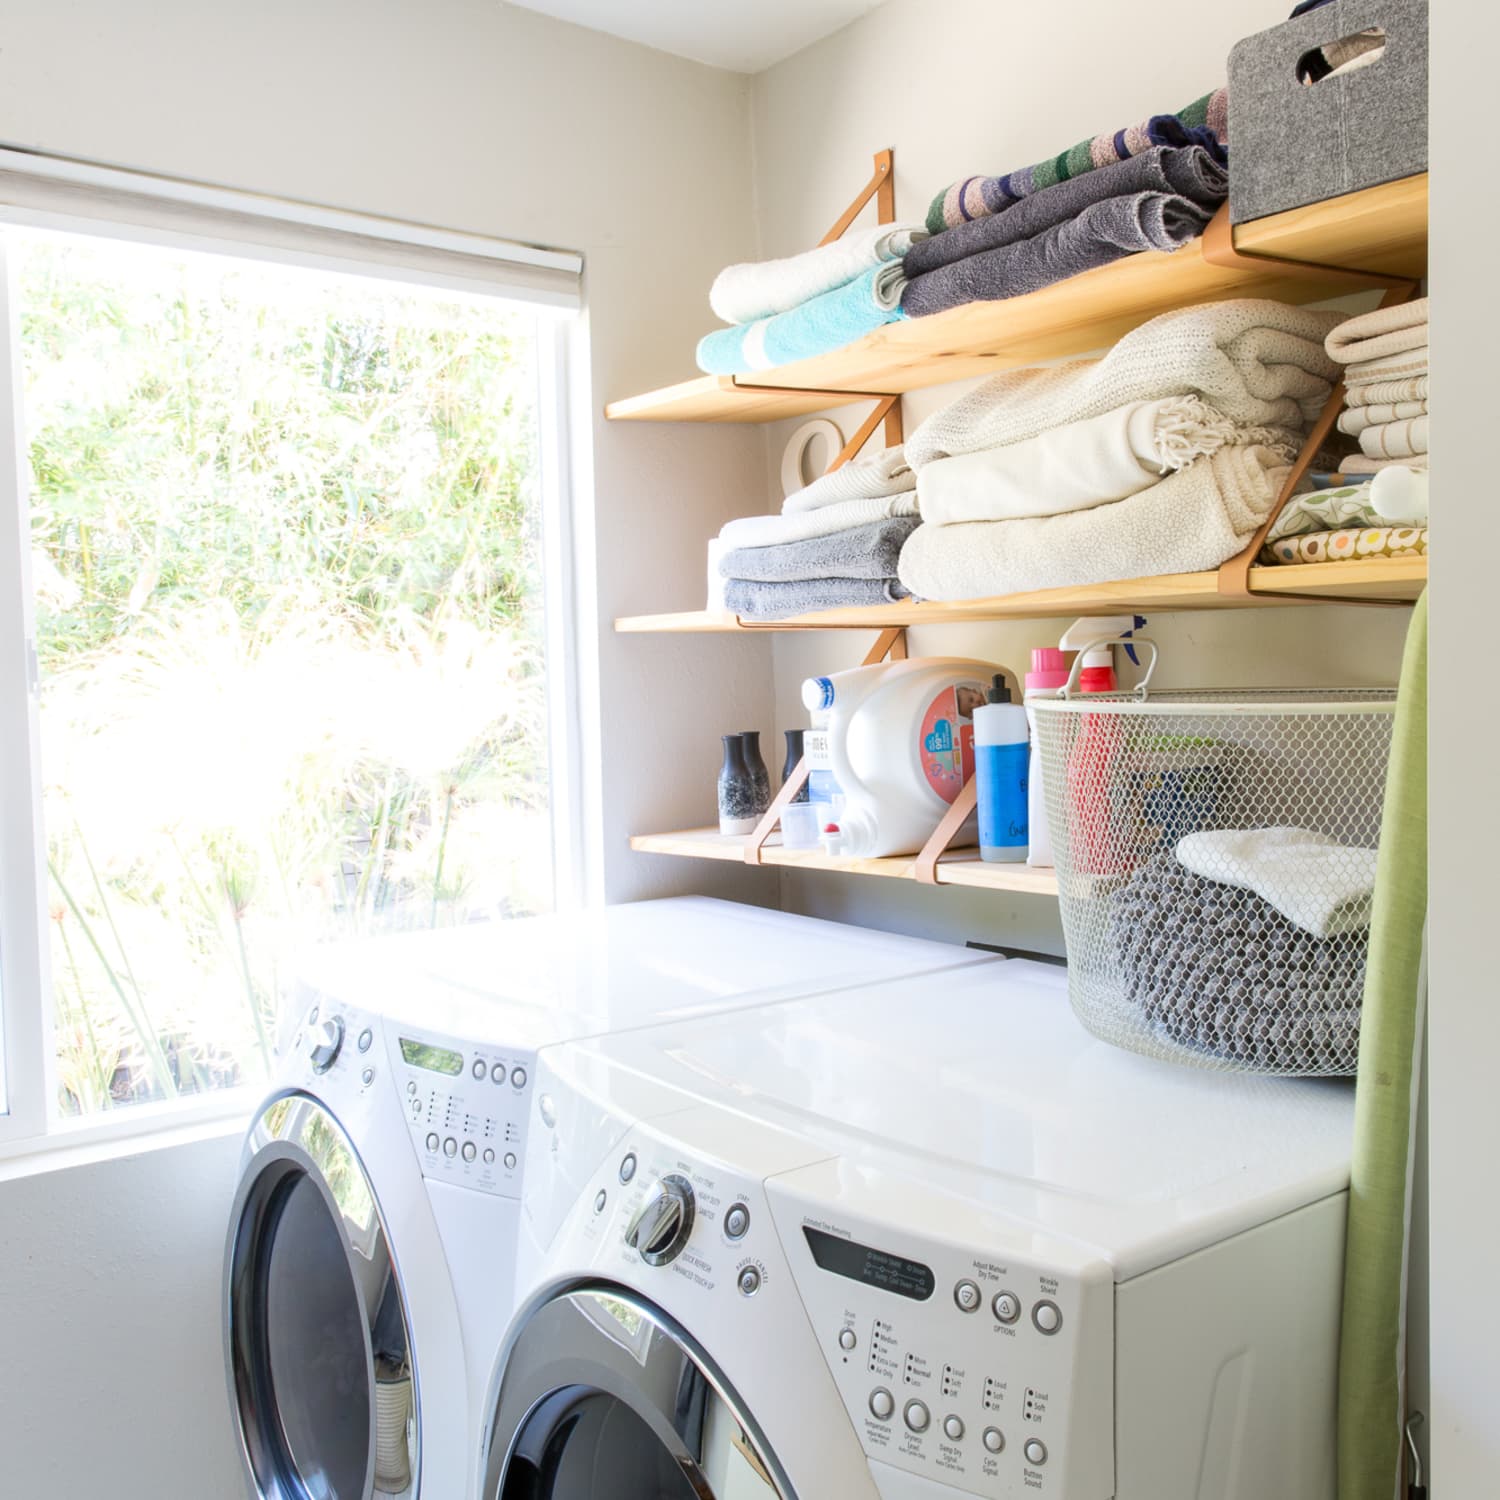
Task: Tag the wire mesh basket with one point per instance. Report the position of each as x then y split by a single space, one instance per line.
1215 858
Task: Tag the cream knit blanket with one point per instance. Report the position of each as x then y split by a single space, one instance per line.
1194 519
1258 363
867 478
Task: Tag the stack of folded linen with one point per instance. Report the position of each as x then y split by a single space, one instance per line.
1384 354
807 304
1157 200
1165 456
1381 517
834 545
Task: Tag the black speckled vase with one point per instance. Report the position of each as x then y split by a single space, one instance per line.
739 803
755 764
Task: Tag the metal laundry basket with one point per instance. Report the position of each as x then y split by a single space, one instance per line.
1215 857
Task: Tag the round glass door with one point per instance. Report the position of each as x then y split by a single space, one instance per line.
604 1396
318 1333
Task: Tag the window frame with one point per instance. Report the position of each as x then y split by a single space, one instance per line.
29 1121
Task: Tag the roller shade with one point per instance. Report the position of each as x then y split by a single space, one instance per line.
62 194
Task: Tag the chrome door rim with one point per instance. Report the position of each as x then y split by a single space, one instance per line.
546 1364
269 1175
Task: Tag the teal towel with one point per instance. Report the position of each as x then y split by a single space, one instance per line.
814 327
1371 1354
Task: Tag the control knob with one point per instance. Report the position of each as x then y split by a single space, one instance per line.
661 1227
323 1043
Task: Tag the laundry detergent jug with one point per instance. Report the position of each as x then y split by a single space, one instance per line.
890 748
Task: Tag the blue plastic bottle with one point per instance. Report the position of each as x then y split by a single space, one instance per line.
1002 755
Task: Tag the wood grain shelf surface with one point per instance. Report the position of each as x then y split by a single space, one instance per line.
1399 579
1377 229
960 867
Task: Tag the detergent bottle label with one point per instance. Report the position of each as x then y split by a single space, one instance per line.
948 739
823 789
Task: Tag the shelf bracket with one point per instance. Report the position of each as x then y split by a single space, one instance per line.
881 187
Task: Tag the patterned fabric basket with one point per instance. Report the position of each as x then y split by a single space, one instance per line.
1215 859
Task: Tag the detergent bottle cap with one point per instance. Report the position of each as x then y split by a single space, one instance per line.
817 693
1049 668
998 692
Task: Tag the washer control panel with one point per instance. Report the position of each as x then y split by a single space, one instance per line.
465 1105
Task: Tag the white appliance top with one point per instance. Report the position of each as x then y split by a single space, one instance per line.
980 1082
538 980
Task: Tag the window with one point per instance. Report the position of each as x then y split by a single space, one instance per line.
285 577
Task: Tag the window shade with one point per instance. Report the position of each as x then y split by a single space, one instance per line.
63 194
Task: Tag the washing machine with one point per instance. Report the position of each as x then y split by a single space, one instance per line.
920 1240
370 1258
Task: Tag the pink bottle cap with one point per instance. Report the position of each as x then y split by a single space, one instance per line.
1049 668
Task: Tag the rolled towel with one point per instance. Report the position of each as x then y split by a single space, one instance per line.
1204 122
827 322
1189 172
1379 334
1192 520
864 552
760 289
1358 463
1100 234
777 531
866 478
1399 495
780 601
1355 419
1258 363
1084 464
1378 392
1322 886
1395 439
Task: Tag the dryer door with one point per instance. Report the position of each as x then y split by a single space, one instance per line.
603 1395
317 1330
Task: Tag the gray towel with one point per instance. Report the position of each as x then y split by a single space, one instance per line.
779 601
1102 233
861 552
1188 171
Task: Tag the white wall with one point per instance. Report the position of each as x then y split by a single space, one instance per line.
472 115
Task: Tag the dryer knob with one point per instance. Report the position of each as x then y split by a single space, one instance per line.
662 1226
324 1042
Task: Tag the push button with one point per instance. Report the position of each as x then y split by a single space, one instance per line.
916 1416
450 1147
882 1404
968 1296
749 1282
479 1068
737 1221
489 1156
518 1078
432 1141
600 1199
994 1439
497 1073
1006 1306
627 1167
470 1150
847 1338
953 1427
365 1038
1035 1451
510 1161
1047 1317
367 1077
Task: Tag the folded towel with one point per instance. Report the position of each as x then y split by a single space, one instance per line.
1399 495
1322 886
1409 364
827 322
1084 464
1204 122
1258 363
1189 172
1348 545
1326 510
776 531
866 478
1100 234
1375 335
1355 419
1376 392
1358 463
779 601
1395 439
863 552
1194 519
760 289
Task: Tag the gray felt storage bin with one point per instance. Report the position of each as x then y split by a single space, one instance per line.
1292 143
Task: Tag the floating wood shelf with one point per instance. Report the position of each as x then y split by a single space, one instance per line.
1361 580
1378 229
961 867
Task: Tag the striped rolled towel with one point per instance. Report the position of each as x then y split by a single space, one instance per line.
1204 122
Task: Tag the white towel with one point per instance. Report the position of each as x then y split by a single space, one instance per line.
1082 465
1322 886
1409 364
771 531
1380 334
1258 363
1395 439
1355 419
759 289
870 477
1193 519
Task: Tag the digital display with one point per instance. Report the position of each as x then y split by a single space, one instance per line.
434 1059
891 1273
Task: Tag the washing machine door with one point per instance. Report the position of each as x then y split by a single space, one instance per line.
317 1329
606 1398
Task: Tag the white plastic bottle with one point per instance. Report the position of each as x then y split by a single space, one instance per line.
1002 747
896 749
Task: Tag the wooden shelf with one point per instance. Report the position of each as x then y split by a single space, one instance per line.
1375 578
1378 229
962 867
